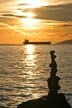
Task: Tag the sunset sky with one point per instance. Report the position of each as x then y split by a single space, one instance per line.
36 20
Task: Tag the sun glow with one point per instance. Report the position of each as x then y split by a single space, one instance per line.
29 14
33 3
24 14
29 23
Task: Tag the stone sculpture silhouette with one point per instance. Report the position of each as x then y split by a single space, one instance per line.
53 99
53 80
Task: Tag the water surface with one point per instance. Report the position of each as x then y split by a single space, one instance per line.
24 71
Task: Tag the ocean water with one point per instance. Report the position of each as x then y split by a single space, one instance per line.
24 71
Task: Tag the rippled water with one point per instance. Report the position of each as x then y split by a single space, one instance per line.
25 69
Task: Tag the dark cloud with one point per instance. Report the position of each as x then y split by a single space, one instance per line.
13 15
66 25
9 15
60 1
22 4
55 12
60 12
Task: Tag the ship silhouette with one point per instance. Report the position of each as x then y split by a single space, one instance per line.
43 42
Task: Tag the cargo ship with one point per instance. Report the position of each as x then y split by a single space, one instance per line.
27 42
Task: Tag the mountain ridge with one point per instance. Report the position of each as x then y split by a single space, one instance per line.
65 42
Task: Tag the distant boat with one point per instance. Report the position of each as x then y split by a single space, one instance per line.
27 42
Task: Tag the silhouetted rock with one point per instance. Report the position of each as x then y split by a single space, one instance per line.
53 99
3 107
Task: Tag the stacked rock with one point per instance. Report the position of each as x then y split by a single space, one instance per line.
53 81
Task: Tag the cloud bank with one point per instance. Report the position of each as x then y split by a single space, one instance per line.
57 12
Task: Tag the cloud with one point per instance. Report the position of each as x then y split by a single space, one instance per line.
6 1
8 15
60 1
13 15
66 25
9 27
59 13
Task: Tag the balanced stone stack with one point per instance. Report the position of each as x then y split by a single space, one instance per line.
53 81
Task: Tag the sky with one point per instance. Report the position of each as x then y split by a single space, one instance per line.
36 20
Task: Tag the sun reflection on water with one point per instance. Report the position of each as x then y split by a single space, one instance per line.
30 49
30 64
30 57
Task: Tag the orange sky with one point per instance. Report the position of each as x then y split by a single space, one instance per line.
36 21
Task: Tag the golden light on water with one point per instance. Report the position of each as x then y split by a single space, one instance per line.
29 60
31 74
30 56
30 49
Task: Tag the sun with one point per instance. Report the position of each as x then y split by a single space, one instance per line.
29 15
25 14
33 3
36 3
